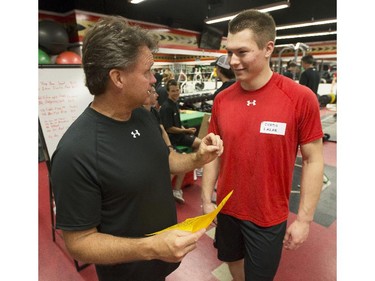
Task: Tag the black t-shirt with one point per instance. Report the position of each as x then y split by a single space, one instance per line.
115 176
310 78
156 114
288 73
170 117
223 86
162 94
170 114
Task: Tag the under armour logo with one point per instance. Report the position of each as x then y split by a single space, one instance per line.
135 133
251 102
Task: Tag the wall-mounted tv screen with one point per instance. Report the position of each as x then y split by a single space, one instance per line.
210 38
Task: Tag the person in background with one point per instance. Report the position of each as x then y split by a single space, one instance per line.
158 77
310 77
150 104
161 89
263 119
291 70
110 173
224 73
170 116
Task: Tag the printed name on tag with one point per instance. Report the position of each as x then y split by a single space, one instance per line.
274 128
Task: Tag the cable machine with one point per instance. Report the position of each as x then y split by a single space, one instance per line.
296 48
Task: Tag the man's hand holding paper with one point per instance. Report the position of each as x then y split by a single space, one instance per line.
199 222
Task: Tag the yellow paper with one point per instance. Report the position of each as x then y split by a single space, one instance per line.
186 111
197 223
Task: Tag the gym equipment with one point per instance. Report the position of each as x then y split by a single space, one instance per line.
43 58
199 86
327 99
182 79
330 98
296 48
326 137
197 102
53 38
68 57
198 80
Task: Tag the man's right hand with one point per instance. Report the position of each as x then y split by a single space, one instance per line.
174 245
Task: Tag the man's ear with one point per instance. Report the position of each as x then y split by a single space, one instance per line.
269 48
115 75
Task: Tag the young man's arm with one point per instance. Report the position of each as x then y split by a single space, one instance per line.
311 186
209 178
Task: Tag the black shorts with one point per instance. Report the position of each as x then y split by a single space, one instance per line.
182 139
260 247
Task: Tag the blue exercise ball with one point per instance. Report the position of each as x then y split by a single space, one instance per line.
53 38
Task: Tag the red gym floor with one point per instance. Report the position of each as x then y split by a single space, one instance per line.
315 260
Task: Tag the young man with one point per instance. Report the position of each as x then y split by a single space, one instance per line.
170 116
263 119
224 73
111 170
310 77
161 88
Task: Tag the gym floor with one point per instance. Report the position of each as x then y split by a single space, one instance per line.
315 260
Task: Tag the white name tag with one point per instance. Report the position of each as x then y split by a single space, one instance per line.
274 128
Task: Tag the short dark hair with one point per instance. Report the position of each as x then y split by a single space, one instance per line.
171 82
291 63
262 24
309 59
227 72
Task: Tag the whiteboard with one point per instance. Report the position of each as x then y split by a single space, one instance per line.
62 97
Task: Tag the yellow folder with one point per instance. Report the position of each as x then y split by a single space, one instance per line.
199 222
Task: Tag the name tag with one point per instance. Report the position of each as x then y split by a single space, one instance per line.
273 128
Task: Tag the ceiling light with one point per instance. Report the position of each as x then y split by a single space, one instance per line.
267 8
307 23
135 1
313 34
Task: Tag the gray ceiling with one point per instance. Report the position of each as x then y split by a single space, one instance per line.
190 14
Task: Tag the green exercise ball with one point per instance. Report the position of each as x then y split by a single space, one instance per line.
43 57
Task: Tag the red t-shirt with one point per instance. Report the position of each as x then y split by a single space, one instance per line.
261 131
